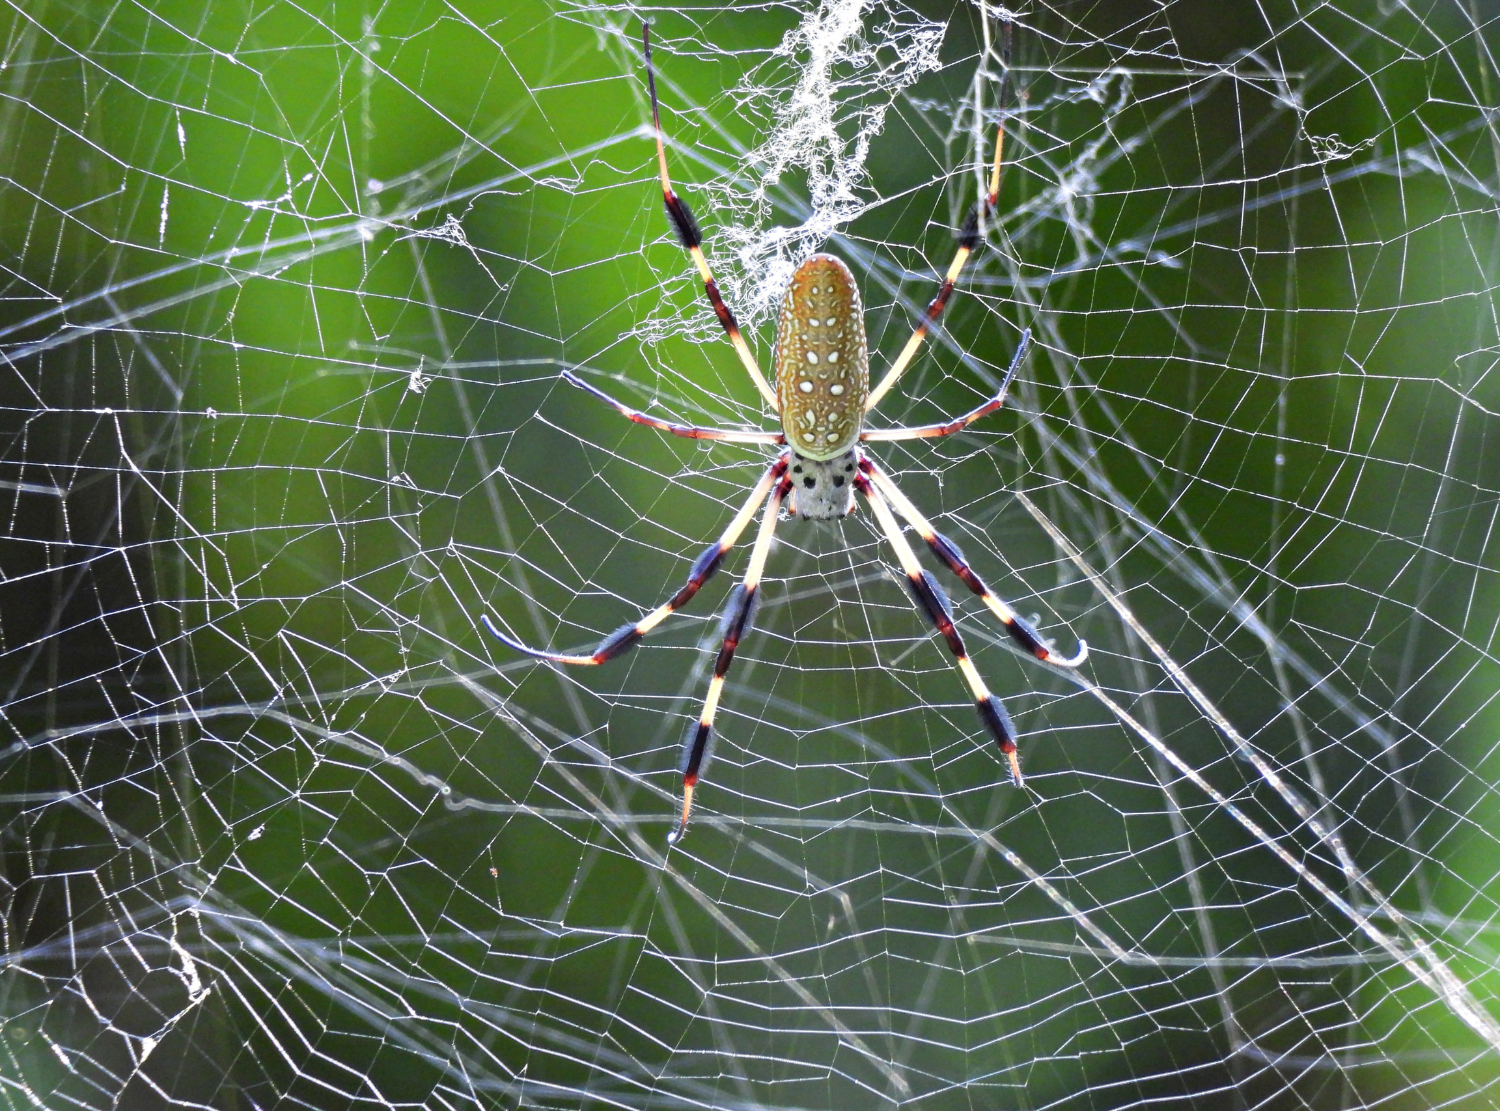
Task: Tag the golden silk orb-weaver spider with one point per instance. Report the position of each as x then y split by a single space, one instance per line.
823 395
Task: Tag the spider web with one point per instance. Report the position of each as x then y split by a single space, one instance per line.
288 291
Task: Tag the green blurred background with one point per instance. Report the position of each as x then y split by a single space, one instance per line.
287 293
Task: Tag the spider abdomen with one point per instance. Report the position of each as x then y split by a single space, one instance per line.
822 360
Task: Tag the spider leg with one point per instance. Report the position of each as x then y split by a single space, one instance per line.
1018 627
627 637
738 616
691 237
692 432
968 241
957 424
934 603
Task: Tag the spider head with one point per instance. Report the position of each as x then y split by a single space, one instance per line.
823 489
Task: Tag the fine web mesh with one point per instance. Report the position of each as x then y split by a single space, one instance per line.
287 296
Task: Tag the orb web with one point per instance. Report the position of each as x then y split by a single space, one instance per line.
287 301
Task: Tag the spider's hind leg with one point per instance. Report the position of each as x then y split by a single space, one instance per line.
691 238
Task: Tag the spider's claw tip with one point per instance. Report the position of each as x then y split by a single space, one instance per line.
536 653
1073 660
687 808
1015 770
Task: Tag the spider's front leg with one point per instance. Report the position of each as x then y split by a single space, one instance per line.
1020 630
739 615
931 600
628 636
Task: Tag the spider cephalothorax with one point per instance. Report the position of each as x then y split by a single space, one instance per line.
823 395
823 488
